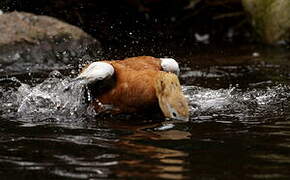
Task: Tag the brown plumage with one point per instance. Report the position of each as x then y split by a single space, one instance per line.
139 85
139 63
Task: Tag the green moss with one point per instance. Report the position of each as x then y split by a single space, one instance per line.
270 18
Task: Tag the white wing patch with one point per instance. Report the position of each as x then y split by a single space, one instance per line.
170 65
97 71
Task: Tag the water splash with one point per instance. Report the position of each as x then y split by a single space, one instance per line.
56 97
207 104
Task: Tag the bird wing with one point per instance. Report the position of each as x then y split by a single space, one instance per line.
96 71
150 63
142 63
133 89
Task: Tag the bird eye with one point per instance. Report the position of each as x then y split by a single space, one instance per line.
174 114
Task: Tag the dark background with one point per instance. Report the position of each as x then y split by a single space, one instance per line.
137 27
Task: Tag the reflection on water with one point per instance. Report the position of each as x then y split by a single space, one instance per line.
239 128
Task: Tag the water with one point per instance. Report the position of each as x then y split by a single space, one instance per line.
239 126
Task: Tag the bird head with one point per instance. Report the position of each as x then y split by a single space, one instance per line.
170 96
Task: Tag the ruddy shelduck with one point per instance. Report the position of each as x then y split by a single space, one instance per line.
137 84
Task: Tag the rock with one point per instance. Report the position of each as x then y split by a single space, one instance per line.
270 19
42 42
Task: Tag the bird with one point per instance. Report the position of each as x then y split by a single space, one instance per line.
137 84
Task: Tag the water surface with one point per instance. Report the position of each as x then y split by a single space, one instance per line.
239 126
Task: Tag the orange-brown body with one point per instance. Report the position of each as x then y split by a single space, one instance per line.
133 89
138 63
